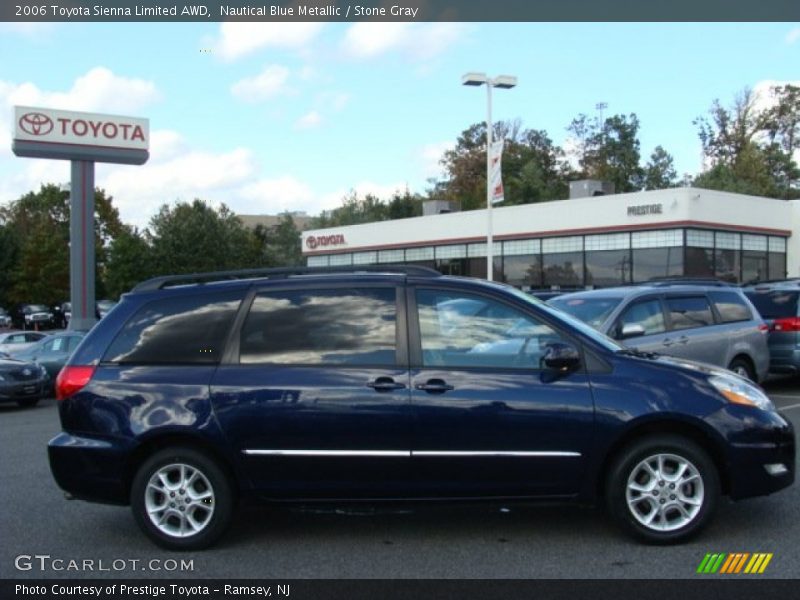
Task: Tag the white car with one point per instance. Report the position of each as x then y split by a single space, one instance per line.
14 341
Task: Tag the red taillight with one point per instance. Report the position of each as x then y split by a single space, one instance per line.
763 328
787 324
71 379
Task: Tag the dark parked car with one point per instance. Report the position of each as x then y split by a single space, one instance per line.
33 316
777 301
5 318
52 352
22 382
715 324
394 384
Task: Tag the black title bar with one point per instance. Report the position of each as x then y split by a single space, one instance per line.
399 10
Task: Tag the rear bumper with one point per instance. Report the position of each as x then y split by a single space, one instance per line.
765 466
784 359
89 468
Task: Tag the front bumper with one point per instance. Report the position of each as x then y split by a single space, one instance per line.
763 466
90 468
11 391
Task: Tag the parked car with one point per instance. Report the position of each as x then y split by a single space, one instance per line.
22 382
33 316
714 324
104 307
14 341
394 383
777 302
5 318
52 352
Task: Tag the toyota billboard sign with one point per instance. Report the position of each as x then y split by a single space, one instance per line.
64 127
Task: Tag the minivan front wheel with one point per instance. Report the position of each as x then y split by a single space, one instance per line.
663 489
182 499
741 367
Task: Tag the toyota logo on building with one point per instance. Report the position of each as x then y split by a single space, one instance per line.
36 123
315 241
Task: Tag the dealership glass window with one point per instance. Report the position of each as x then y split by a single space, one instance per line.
754 242
453 266
562 245
652 263
338 326
524 270
776 244
727 241
727 264
391 256
613 241
454 251
657 239
699 262
317 261
608 267
777 265
476 250
419 254
522 247
754 266
563 269
699 238
476 267
337 260
365 258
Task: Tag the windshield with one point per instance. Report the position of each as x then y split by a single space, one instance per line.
32 308
593 311
560 315
106 304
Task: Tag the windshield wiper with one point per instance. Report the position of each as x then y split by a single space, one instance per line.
638 353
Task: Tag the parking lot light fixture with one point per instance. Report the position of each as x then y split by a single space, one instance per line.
505 82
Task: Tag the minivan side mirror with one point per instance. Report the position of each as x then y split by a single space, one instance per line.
561 356
631 330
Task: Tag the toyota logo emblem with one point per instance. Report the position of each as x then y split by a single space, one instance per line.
27 372
311 242
35 123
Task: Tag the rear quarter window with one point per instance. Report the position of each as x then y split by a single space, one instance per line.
689 311
177 330
775 304
730 306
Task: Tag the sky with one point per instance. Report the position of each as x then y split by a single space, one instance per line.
270 117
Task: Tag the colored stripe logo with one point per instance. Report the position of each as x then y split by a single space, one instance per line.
735 563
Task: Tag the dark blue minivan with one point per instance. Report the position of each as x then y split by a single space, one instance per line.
394 383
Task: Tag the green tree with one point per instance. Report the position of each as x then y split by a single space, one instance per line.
195 237
660 172
40 223
609 151
280 244
129 262
9 255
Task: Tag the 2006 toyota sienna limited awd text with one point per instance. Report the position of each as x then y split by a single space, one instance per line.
394 384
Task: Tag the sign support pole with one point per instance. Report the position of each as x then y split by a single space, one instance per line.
81 249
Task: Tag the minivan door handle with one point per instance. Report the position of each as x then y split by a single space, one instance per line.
385 384
667 342
434 386
683 340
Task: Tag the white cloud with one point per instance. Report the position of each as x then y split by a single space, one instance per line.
271 82
416 41
276 195
333 101
309 120
793 36
764 98
430 156
240 39
35 31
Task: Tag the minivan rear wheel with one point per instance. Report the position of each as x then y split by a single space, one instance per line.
182 499
663 489
742 367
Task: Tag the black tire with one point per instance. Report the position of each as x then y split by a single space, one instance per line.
742 366
214 516
28 402
671 525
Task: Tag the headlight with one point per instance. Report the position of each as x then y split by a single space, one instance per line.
42 370
739 391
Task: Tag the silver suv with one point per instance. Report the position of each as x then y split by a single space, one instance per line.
714 324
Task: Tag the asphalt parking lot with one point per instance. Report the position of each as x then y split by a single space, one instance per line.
429 542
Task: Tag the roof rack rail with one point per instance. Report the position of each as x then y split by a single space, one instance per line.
158 283
668 281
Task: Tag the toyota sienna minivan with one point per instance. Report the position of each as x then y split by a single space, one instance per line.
394 383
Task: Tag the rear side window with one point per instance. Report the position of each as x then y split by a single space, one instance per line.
776 304
688 312
730 306
311 327
177 330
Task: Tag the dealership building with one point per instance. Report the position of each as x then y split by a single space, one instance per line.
593 239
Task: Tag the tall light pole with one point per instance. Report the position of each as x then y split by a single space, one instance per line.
504 82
